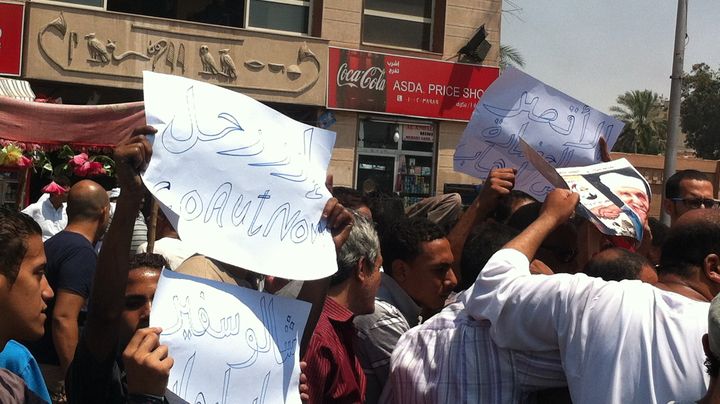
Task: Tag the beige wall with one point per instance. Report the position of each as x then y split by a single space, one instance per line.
342 163
464 17
73 45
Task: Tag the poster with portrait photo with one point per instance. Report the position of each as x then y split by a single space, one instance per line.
613 195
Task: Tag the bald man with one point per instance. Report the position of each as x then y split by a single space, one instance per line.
70 270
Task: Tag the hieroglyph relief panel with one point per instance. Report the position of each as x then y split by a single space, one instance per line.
112 49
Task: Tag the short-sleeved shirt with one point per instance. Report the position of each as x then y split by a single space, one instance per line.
71 262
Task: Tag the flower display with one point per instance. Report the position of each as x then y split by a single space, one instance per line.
89 169
12 156
79 163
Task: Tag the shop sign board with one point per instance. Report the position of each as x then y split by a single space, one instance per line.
407 86
418 133
12 18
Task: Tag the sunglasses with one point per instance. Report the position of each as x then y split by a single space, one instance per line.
696 203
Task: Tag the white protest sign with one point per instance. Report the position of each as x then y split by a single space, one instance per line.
230 344
516 106
244 183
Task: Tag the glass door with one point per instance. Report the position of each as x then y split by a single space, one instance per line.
395 156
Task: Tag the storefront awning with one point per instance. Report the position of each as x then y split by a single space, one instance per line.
19 89
78 125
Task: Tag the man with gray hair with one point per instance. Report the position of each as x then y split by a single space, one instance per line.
333 370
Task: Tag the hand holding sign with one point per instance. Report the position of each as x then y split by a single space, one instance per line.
563 130
244 183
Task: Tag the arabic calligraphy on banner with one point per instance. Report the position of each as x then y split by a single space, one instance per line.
222 335
563 130
241 182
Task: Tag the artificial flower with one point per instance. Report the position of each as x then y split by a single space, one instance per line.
54 188
79 159
14 156
89 169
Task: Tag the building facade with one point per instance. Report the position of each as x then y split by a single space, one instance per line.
385 76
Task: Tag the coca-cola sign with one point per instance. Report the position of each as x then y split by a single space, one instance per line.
372 78
399 85
12 17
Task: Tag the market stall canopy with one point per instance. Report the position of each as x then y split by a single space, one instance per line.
79 125
19 89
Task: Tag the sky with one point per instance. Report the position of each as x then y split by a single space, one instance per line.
595 50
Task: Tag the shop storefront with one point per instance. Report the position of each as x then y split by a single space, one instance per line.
79 55
399 106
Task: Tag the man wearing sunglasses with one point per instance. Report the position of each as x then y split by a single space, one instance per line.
687 190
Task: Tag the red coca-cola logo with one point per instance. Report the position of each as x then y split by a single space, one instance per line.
372 78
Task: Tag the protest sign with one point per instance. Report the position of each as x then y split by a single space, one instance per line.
560 128
243 183
613 195
230 344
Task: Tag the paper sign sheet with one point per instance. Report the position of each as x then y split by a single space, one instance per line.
230 344
243 183
560 128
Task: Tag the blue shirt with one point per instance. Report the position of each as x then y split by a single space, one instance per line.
17 359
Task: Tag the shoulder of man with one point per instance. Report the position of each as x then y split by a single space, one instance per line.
14 390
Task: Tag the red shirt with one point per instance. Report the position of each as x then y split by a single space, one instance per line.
333 370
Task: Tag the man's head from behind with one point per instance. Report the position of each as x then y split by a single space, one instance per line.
418 256
687 190
88 203
142 282
692 250
24 290
484 241
617 264
352 199
359 261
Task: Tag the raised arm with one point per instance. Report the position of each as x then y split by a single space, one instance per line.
525 310
499 182
340 222
107 298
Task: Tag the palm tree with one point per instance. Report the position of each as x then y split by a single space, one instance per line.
510 56
645 116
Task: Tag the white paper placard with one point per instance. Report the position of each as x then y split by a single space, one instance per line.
230 344
243 183
516 106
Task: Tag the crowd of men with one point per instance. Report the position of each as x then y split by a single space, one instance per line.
496 303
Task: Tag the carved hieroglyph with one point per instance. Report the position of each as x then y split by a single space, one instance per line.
276 65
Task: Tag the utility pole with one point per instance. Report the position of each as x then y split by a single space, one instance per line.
675 92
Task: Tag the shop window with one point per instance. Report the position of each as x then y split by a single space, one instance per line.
400 23
280 15
396 157
89 3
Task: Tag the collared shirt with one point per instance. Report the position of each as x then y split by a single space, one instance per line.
333 371
452 359
620 342
378 333
51 220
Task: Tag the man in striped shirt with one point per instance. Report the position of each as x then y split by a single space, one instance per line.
417 280
452 358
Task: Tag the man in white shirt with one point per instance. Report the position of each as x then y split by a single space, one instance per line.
619 341
49 210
